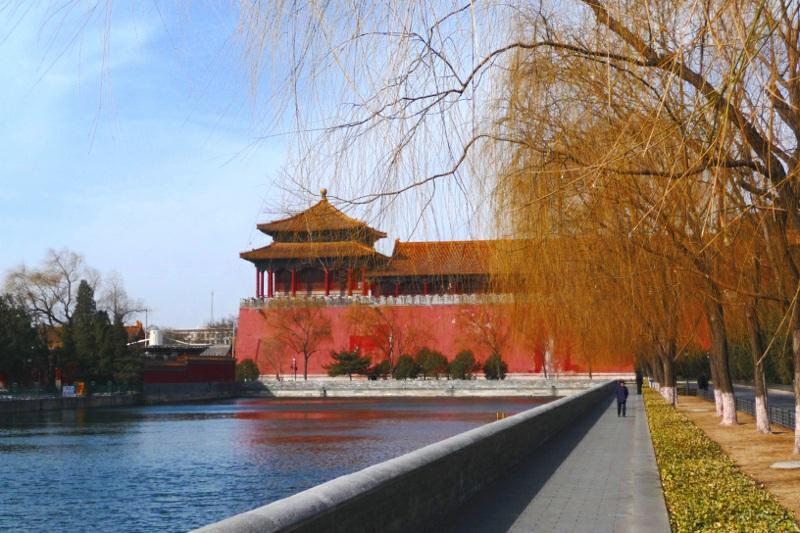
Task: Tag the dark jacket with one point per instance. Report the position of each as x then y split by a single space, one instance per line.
622 393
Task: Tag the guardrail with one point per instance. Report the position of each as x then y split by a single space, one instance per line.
410 492
406 299
777 415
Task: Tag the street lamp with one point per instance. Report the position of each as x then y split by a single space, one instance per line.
294 367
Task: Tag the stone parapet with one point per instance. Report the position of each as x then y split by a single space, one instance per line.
406 299
362 388
410 492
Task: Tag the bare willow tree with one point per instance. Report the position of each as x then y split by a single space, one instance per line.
115 300
720 82
50 290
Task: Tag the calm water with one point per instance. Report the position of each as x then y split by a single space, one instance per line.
172 468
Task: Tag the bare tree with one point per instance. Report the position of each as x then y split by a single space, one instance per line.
391 333
300 326
484 325
114 299
50 290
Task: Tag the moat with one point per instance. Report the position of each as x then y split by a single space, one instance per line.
173 468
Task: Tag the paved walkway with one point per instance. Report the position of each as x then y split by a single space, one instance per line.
597 476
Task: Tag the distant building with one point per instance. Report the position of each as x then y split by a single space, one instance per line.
430 286
322 252
190 369
209 335
52 335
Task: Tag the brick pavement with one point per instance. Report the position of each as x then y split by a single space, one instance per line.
599 475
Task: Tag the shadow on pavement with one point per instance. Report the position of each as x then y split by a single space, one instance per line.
495 508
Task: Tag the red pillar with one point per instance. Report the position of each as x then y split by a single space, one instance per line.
349 281
270 286
364 288
425 290
397 288
327 283
294 282
258 282
262 283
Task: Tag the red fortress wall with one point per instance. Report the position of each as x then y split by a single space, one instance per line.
435 326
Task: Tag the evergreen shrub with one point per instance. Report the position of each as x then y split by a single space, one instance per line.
347 363
379 371
405 368
431 363
494 367
463 365
246 370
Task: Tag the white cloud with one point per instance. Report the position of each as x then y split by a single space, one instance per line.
152 187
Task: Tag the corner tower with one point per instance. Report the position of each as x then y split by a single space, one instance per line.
318 251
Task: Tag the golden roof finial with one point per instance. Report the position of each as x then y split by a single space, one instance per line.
324 193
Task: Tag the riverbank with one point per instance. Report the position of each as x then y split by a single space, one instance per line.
412 491
157 394
430 388
179 467
57 403
317 387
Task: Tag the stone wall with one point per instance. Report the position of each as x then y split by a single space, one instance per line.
409 492
363 388
29 405
438 327
155 393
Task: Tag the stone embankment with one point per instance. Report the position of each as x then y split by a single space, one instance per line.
56 403
410 492
159 393
362 388
151 395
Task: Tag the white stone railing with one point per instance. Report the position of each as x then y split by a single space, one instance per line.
404 299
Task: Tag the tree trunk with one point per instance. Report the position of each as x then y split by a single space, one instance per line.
796 350
658 374
759 385
306 357
723 386
669 389
717 398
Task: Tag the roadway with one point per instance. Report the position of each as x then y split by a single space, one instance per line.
777 397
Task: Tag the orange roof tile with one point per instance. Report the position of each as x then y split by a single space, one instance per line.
437 258
321 216
310 250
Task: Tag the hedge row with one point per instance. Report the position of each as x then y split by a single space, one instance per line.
703 489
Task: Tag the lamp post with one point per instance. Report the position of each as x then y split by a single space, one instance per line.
294 367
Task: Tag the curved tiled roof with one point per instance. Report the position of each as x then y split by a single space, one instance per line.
310 250
437 258
321 216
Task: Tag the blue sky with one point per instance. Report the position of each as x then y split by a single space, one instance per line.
133 137
135 150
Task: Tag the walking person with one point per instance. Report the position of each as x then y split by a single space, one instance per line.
622 397
639 381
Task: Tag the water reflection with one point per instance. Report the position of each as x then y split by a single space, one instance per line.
171 468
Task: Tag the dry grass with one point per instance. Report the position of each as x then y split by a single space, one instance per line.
752 452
